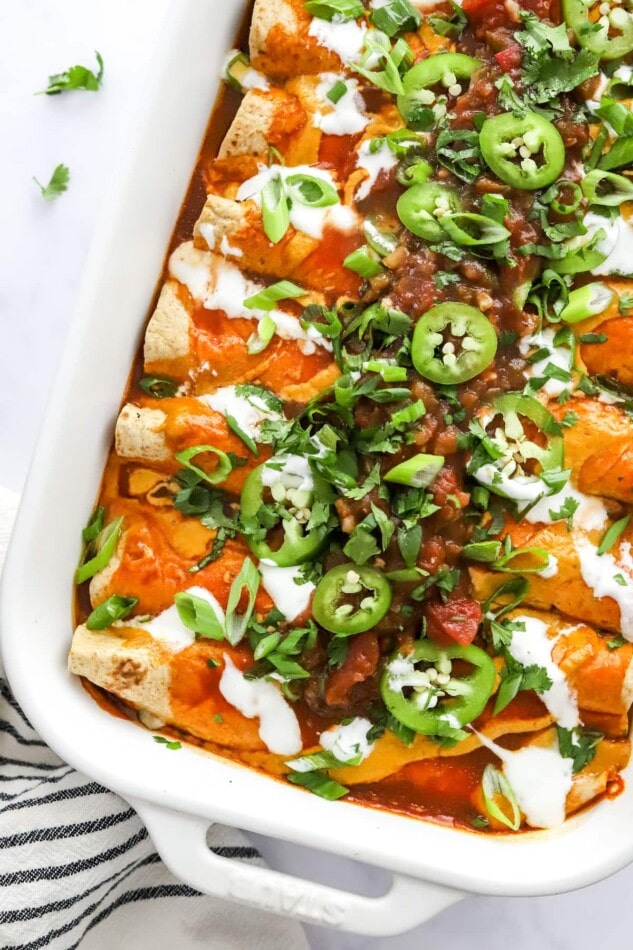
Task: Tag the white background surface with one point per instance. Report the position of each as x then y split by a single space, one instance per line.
42 251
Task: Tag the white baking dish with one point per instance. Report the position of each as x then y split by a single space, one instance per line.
178 797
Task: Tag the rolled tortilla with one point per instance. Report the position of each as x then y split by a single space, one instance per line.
167 334
177 689
154 436
237 228
613 357
280 41
274 118
567 590
157 547
600 678
601 466
390 755
587 784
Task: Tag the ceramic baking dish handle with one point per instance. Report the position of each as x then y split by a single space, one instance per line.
181 842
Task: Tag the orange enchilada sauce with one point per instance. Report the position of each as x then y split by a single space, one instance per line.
162 545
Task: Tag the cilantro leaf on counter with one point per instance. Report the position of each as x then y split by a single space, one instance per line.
57 185
77 77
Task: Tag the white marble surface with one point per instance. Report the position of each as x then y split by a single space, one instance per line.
42 251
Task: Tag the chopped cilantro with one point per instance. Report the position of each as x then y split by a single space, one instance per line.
565 512
578 745
57 185
77 77
168 743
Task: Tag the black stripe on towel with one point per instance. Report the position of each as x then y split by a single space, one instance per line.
66 831
74 867
62 794
31 913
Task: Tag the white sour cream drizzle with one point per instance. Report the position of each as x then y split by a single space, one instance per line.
168 629
591 514
382 160
310 221
344 39
349 740
248 411
532 645
278 725
560 356
599 572
280 584
220 285
541 779
617 244
345 117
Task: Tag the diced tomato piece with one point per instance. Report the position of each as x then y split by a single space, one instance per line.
454 622
482 9
360 663
544 9
509 58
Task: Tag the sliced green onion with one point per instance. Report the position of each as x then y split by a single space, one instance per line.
266 645
259 340
94 526
587 301
311 191
325 321
503 563
612 534
413 171
236 623
114 608
620 153
337 91
579 259
380 64
419 471
606 188
390 372
236 70
341 9
493 784
363 262
321 760
105 544
472 230
160 387
320 784
198 615
396 16
266 299
620 88
235 427
483 551
223 470
552 196
380 241
409 414
275 212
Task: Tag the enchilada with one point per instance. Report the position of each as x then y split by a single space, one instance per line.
364 525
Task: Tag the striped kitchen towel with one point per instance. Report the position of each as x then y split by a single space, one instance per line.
77 868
